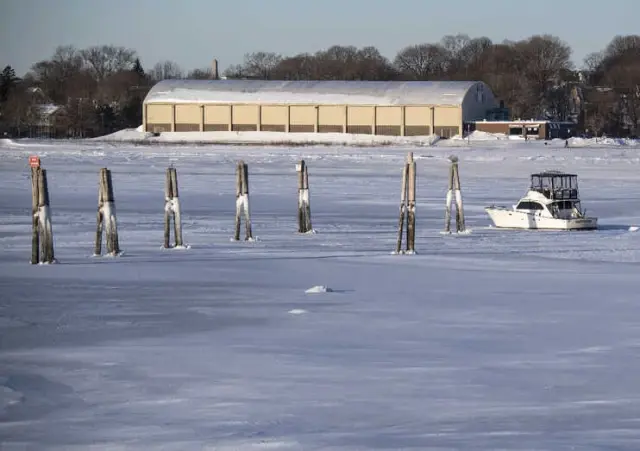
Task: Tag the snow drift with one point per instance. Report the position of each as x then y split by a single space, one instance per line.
136 136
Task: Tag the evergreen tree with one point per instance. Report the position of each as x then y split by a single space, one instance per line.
137 68
8 80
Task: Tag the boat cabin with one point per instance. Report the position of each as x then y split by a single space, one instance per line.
556 194
555 185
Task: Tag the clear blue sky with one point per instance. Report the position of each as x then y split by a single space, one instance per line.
192 32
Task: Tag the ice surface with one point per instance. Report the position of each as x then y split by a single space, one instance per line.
494 340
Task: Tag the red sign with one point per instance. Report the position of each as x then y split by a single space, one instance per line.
34 161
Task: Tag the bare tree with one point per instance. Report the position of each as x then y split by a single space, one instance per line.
621 45
55 76
593 61
260 65
542 59
470 61
371 65
106 60
299 67
235 71
454 45
166 70
422 62
336 63
617 70
201 74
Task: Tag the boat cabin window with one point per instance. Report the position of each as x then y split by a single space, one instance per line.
563 204
528 205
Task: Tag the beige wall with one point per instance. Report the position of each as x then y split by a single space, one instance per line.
217 114
302 115
159 114
245 114
387 120
274 115
188 114
389 115
332 115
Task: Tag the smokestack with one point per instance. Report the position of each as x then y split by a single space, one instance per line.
214 71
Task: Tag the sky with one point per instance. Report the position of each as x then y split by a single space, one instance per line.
193 32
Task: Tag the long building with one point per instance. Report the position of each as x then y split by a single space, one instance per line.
412 108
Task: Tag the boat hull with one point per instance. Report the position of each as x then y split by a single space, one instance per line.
510 219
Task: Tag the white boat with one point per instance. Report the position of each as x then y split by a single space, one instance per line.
552 202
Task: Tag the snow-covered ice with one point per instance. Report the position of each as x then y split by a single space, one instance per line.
496 340
319 289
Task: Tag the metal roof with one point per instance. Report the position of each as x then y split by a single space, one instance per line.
313 92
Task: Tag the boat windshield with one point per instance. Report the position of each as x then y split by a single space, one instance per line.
529 205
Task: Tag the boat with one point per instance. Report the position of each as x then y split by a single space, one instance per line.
552 202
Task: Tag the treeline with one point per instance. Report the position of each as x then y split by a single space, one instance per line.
101 88
95 91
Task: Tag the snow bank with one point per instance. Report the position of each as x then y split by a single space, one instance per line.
4 142
136 136
478 135
126 135
602 142
319 289
297 311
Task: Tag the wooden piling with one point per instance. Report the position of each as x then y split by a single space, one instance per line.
411 204
407 206
35 218
460 223
41 227
242 201
99 215
304 206
177 213
454 192
106 218
44 213
172 209
168 210
448 199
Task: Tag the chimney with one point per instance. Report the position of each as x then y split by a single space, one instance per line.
214 69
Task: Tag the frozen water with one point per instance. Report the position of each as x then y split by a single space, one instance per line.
494 340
